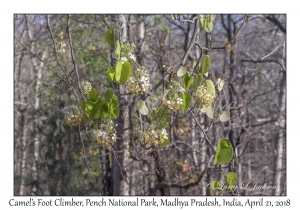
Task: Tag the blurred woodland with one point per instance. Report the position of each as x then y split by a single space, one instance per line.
54 54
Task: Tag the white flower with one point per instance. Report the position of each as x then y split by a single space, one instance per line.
144 79
164 133
123 59
179 101
73 106
102 134
132 57
182 90
65 109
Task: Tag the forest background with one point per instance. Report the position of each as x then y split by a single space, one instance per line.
197 82
8 60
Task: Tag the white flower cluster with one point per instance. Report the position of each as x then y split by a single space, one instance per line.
151 136
171 99
73 115
179 101
86 87
164 133
138 83
132 57
123 59
62 46
106 134
181 89
206 98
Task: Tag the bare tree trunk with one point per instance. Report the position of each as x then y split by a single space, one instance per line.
106 172
281 137
38 75
24 154
119 157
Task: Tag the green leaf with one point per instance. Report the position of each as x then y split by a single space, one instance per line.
186 101
111 74
224 152
210 112
113 108
203 108
110 36
215 184
193 64
205 65
202 23
97 108
182 70
109 95
118 70
93 95
196 83
143 109
126 72
118 49
224 116
209 25
187 81
166 141
220 84
92 108
210 86
81 104
231 179
162 117
104 111
153 113
213 17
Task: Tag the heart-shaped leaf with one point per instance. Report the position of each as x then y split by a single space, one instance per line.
187 81
143 109
231 179
205 65
186 99
210 86
224 152
224 116
182 70
126 72
110 36
118 70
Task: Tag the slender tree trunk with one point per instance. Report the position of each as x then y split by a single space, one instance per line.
38 75
23 154
119 156
281 137
106 172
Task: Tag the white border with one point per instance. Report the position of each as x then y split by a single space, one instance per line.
154 6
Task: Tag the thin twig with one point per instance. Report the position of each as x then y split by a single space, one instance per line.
84 154
56 56
35 55
72 54
204 133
